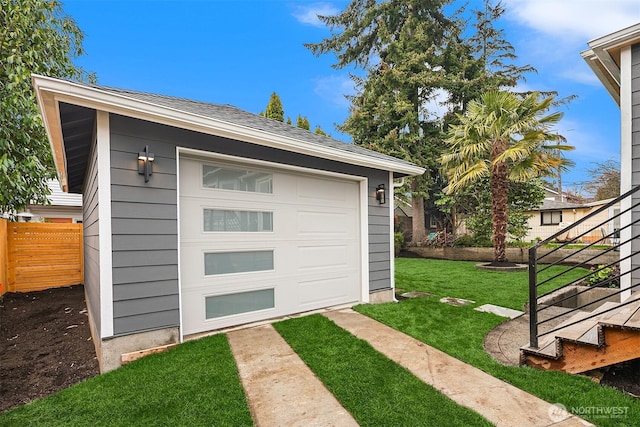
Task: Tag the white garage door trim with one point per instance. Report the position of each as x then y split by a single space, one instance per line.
363 208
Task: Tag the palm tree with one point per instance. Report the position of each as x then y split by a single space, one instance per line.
507 137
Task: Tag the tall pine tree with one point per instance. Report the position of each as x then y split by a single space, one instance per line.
420 71
274 108
400 45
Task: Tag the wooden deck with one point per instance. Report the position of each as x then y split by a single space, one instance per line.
590 340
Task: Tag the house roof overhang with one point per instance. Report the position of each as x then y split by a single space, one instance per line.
79 101
603 57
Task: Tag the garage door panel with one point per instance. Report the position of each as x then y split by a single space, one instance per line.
313 258
313 236
324 291
331 193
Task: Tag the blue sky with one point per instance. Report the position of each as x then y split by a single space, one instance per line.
238 52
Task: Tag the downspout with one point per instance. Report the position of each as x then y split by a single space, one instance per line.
396 185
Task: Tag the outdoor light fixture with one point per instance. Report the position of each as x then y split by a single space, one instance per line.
380 194
145 163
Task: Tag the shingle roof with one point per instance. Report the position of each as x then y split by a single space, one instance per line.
234 115
549 205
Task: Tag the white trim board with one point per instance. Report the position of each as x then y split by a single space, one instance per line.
103 144
50 92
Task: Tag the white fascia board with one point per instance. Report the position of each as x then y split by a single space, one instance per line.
77 94
620 38
51 120
599 56
597 67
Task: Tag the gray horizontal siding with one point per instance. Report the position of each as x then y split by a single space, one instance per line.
144 231
146 273
147 321
142 211
132 291
147 258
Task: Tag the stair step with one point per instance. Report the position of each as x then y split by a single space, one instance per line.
573 332
634 321
621 315
546 348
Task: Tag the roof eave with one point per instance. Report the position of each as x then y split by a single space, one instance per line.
603 57
51 91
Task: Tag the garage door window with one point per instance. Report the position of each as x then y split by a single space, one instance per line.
237 262
225 178
243 302
237 221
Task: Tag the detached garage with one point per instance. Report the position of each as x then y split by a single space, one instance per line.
199 217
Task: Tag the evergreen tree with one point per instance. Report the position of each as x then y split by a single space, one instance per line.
274 108
318 130
303 123
388 114
417 62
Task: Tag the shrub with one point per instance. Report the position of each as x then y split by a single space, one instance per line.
602 274
398 242
468 240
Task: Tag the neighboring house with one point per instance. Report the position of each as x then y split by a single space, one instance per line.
199 216
554 216
615 60
63 207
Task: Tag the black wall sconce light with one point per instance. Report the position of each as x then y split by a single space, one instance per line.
145 163
381 197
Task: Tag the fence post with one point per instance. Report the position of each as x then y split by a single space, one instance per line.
533 297
4 256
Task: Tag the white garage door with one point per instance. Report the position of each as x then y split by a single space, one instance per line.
259 243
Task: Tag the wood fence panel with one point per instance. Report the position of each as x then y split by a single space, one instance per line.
4 256
43 256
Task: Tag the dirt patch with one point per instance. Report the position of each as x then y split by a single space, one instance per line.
45 344
624 376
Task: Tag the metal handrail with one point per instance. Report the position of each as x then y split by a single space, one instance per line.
535 266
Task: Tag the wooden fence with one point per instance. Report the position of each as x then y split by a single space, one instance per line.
40 256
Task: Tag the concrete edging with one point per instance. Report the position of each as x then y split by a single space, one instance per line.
517 255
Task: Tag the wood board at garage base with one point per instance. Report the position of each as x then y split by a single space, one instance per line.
43 256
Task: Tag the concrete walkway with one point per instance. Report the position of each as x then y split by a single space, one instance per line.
282 390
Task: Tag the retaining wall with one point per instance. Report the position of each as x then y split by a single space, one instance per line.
518 255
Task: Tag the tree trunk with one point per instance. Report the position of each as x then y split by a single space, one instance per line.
499 193
417 221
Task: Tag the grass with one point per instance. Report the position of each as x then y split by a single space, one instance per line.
197 382
460 331
374 389
193 384
462 280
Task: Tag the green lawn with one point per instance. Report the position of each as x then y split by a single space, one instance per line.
460 331
197 382
194 384
462 280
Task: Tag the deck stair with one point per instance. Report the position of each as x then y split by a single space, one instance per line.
608 335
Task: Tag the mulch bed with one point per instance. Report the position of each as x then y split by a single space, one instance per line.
45 344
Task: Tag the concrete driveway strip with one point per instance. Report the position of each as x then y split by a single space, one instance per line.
281 389
496 400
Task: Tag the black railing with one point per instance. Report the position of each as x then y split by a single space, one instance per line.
602 234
